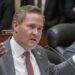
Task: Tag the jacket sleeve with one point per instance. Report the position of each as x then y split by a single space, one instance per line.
65 68
8 7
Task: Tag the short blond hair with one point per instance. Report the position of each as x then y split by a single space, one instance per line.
22 11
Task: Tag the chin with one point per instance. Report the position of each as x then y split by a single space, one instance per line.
32 46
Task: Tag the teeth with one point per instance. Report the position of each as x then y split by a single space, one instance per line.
33 39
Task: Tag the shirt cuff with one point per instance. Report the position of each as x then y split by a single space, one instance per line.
73 57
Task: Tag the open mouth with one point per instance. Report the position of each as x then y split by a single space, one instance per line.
34 40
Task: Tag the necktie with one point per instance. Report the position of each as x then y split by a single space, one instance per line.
28 64
39 3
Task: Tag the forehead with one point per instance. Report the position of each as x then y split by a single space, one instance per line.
33 17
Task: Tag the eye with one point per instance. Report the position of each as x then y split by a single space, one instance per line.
40 28
32 26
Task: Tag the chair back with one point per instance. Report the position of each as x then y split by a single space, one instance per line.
61 36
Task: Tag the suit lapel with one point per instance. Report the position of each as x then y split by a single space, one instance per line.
39 59
8 60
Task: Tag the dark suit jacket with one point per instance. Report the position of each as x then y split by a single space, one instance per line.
51 12
66 10
69 4
6 13
69 52
46 68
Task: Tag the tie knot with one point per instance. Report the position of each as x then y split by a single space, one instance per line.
27 54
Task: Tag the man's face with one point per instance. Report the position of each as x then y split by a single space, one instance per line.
29 32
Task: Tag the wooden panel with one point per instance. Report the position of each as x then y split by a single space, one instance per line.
3 37
43 41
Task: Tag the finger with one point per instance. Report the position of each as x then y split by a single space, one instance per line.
2 54
2 49
1 44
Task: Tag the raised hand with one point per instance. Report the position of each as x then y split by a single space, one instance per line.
2 50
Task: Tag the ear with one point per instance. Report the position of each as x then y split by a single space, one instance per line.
15 25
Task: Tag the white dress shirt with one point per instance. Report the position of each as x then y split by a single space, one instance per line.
19 59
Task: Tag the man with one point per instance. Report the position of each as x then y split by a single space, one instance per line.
27 27
6 14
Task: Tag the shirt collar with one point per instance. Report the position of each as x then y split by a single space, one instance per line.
16 48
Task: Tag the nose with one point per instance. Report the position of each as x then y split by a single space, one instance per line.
35 32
